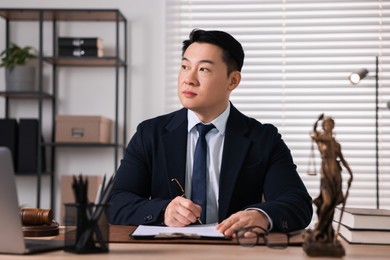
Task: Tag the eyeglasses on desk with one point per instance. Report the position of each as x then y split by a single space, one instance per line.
253 235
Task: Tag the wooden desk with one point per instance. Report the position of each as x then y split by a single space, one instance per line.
204 252
164 251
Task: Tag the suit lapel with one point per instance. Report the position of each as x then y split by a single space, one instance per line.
234 152
175 148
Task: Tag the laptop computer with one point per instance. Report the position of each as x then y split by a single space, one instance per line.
12 240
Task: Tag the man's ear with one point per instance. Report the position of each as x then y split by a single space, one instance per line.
235 78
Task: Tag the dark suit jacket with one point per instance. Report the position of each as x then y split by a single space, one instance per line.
256 162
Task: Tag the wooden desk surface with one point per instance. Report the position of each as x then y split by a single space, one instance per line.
137 251
163 251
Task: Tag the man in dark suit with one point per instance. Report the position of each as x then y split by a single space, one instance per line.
251 176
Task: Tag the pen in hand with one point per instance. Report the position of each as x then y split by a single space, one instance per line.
180 188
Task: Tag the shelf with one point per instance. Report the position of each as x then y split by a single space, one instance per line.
85 61
32 174
25 95
113 145
62 14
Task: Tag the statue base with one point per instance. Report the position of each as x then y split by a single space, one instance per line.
318 248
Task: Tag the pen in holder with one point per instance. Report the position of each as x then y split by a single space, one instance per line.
86 228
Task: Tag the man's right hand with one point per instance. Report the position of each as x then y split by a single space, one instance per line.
181 212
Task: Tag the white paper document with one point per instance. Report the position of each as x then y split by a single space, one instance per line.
196 231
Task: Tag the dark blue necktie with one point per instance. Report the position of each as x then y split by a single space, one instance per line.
199 174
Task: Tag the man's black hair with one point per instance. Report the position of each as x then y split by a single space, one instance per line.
233 54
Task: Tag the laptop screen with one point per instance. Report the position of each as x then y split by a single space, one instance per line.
11 236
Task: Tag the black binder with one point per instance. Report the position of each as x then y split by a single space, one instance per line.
82 42
27 152
8 136
80 52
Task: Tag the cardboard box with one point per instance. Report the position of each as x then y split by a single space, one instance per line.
83 129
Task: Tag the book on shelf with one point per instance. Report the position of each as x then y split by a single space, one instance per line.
71 42
365 236
80 52
364 218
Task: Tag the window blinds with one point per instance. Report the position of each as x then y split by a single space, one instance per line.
299 55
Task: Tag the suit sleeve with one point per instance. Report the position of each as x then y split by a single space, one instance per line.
287 201
130 200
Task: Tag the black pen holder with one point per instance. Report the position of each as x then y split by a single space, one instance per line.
86 228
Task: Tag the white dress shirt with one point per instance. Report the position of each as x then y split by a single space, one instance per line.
215 139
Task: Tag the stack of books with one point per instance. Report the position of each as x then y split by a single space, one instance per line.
364 226
80 47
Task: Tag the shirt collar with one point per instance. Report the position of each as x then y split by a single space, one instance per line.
219 122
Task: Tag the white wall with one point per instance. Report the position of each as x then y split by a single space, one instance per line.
145 81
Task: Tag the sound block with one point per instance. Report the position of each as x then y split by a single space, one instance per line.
41 230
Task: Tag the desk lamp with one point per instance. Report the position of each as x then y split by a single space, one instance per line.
355 78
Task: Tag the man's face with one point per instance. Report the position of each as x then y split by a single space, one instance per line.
203 83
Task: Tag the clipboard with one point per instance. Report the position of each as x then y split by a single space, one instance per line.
190 232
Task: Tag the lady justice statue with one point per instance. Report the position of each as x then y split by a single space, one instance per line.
323 240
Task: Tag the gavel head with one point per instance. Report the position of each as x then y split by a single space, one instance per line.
35 216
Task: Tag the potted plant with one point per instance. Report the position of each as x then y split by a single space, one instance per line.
19 73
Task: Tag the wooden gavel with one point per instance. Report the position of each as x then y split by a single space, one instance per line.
35 216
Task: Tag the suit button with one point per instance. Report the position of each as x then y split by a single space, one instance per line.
285 225
148 217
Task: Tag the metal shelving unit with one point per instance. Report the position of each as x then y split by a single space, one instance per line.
118 62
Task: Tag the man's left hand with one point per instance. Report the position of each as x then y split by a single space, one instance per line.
243 219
